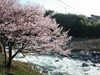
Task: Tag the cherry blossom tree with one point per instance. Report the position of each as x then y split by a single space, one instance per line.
25 26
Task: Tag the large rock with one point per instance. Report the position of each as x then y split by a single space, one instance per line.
84 65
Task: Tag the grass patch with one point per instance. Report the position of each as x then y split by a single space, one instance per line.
17 68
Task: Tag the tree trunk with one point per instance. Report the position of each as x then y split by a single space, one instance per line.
5 55
9 64
4 52
10 56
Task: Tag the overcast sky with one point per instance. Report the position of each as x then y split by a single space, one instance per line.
85 7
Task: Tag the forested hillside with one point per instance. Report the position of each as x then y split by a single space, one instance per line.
80 26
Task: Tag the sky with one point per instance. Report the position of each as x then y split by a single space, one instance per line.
85 7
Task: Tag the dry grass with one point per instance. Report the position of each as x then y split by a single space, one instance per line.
91 45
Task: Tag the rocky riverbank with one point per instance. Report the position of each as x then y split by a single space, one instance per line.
94 56
85 49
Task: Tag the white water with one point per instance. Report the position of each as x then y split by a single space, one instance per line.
65 65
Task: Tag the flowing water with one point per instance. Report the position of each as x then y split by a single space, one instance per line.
52 65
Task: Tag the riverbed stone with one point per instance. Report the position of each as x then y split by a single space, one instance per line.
45 71
56 60
84 65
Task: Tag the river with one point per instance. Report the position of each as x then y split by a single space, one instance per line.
52 65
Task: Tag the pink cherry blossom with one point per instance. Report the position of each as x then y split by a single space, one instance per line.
24 26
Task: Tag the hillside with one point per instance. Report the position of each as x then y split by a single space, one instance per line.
17 68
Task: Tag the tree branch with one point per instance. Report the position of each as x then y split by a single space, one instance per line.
23 46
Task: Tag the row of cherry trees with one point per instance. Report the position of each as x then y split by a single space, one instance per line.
24 26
